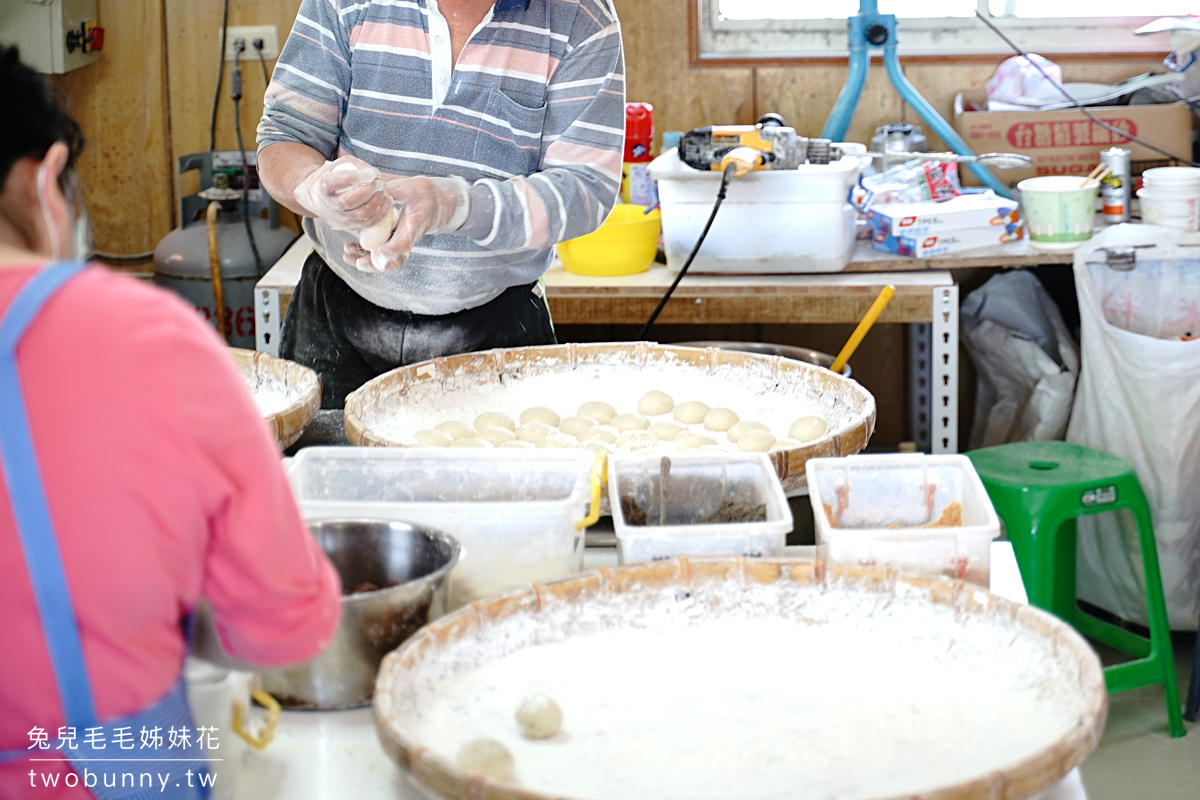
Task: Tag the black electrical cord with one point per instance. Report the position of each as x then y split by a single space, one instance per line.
262 61
1075 103
236 92
212 128
726 177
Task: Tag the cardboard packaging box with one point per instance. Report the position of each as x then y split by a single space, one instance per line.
1067 142
982 210
947 242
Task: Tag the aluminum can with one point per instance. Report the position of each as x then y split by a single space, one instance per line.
1114 189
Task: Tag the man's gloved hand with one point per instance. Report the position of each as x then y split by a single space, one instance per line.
427 205
348 194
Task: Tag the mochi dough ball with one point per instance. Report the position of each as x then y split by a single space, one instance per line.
654 403
538 717
486 757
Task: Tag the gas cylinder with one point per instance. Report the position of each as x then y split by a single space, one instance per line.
181 262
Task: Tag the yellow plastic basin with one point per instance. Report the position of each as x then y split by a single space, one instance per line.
625 244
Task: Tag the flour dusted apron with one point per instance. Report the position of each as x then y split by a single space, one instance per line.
105 762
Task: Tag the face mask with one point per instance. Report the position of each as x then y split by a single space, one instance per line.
81 238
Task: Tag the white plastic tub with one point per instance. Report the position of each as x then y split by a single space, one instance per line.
772 221
512 511
697 487
897 510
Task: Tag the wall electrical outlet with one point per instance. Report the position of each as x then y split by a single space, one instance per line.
267 33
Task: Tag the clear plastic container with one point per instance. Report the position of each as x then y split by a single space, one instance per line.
512 511
802 218
715 504
918 513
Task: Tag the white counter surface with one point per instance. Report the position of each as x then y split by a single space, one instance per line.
328 755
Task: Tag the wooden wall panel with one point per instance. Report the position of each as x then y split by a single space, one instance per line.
120 102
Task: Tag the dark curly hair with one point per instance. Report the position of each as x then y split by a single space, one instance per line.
36 118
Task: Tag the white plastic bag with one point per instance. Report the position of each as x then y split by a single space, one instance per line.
1026 359
1018 82
1139 399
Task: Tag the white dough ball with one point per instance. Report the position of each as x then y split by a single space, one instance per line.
533 431
456 429
666 430
471 441
489 418
486 757
605 434
806 429
690 440
720 419
557 439
654 403
756 442
739 429
629 422
785 444
636 440
540 414
691 412
577 424
597 410
495 434
516 443
538 717
431 437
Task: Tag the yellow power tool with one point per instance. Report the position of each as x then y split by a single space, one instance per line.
768 144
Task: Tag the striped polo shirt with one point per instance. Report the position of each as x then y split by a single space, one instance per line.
532 115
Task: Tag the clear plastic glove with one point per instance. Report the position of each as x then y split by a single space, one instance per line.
426 205
348 194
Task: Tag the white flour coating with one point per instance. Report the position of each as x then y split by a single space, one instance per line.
271 400
854 696
754 393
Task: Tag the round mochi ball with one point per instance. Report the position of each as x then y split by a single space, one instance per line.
785 444
486 757
490 418
597 410
604 434
557 439
533 431
756 442
516 443
538 717
690 440
636 440
541 414
629 422
739 429
577 424
691 412
806 429
431 437
654 403
471 441
720 419
666 430
495 434
456 429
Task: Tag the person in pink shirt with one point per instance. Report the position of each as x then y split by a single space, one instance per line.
136 477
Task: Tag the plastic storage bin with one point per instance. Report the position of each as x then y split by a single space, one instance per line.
918 513
772 221
700 489
513 512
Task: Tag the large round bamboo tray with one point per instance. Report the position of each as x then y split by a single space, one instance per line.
377 413
299 389
1017 639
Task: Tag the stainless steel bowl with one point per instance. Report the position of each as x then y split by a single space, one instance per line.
786 350
411 565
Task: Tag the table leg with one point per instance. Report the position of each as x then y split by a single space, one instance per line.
267 320
944 370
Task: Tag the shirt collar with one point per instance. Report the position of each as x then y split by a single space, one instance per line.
509 5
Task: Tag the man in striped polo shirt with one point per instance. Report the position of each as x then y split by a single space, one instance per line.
494 127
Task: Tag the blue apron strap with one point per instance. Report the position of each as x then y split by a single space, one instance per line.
30 509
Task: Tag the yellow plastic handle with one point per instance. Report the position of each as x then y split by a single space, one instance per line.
598 477
865 325
270 720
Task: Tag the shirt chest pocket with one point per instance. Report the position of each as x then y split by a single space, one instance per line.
510 137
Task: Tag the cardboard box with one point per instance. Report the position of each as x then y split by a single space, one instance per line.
965 211
947 242
1067 142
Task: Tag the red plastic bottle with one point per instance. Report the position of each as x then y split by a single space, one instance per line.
636 186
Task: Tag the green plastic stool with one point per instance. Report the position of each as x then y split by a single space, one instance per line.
1039 489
